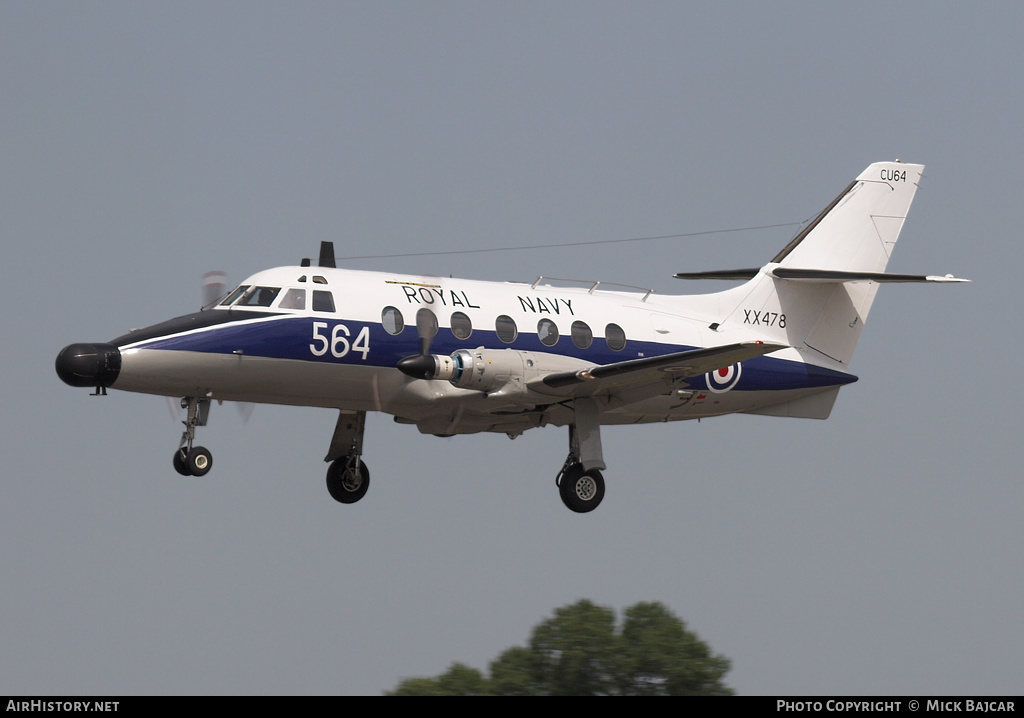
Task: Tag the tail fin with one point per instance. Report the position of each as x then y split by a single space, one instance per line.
857 232
823 306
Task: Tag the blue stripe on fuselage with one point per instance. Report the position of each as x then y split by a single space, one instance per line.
292 337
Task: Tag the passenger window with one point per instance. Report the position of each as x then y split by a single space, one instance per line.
581 335
548 332
294 299
259 297
322 301
462 326
505 327
392 320
615 337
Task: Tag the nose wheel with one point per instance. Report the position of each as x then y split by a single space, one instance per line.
196 461
191 460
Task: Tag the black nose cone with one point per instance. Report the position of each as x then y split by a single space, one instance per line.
91 365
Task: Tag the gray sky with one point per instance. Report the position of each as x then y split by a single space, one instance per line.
144 144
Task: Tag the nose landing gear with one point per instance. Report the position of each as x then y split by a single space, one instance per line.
347 476
191 460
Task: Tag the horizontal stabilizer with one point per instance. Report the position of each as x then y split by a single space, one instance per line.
833 275
720 274
819 275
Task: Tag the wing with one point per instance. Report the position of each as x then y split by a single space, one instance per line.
637 379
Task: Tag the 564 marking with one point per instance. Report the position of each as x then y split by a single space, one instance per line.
338 343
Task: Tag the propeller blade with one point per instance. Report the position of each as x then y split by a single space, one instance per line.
422 365
245 409
174 408
426 328
214 286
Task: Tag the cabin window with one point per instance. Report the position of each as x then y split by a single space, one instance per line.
259 296
548 332
322 301
392 320
462 327
581 335
426 324
505 326
235 294
615 337
293 299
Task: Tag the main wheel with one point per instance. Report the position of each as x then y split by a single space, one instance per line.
199 461
347 480
581 491
180 464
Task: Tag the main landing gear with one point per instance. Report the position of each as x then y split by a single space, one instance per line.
580 482
193 460
348 479
347 476
581 491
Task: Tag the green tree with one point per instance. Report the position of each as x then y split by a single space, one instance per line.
458 680
579 651
662 658
516 672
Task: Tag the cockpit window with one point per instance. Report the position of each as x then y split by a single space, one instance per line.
235 294
294 299
258 297
323 301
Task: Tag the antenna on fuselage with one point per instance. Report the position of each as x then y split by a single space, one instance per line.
327 254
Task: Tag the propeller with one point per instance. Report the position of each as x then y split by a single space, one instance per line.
244 409
214 289
214 284
422 365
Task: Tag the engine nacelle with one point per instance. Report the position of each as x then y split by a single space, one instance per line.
499 371
486 370
495 372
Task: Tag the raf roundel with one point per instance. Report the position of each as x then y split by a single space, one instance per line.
722 380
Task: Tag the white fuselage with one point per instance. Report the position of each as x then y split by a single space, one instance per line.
332 338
